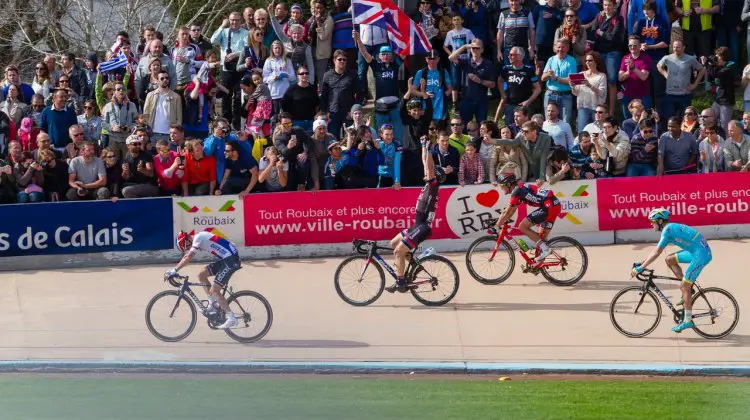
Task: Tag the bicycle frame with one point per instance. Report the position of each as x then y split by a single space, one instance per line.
648 277
185 289
513 232
372 254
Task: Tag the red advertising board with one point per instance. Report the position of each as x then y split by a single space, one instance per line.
700 199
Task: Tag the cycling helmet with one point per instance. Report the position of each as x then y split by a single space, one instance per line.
507 179
659 214
182 241
440 174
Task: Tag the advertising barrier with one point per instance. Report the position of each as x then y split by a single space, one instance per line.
85 227
328 217
698 200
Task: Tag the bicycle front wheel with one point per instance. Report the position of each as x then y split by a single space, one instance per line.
635 313
437 281
359 281
490 271
254 316
170 316
572 258
715 313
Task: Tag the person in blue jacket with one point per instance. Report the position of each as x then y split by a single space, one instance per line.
390 171
214 146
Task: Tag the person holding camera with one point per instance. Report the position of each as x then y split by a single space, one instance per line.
293 144
721 72
215 143
231 38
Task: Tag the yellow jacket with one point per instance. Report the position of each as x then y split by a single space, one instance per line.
706 19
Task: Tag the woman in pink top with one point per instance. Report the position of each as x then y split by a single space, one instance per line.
169 168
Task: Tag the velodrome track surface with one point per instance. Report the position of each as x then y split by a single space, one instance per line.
98 315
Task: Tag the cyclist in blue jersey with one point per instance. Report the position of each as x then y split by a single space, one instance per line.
695 252
228 263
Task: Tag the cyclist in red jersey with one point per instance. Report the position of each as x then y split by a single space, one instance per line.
548 207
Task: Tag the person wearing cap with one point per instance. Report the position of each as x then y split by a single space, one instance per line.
434 82
317 153
335 163
90 72
479 76
385 68
139 178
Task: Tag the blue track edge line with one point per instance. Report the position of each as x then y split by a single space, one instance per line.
298 367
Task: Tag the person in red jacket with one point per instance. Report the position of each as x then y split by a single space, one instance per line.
200 171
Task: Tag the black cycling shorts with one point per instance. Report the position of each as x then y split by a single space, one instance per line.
223 269
415 235
544 216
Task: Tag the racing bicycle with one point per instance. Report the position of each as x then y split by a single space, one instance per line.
715 311
171 316
432 279
491 259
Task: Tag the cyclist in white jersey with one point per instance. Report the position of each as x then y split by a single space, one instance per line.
228 263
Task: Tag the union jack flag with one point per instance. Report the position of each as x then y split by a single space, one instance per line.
406 37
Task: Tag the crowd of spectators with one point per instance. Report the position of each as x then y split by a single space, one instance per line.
274 100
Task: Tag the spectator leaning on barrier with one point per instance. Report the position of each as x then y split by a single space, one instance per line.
118 118
273 170
29 179
333 166
163 108
317 153
87 176
240 176
678 151
579 156
138 175
169 167
508 159
57 119
711 149
292 143
737 149
535 146
644 150
200 171
471 168
559 167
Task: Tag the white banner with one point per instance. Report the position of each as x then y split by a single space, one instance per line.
221 215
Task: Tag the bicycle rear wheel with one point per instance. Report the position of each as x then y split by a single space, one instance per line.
254 316
170 316
715 313
439 279
635 313
482 269
572 258
359 281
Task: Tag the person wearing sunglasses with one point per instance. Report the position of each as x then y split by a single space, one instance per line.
301 100
118 119
42 83
91 122
139 178
480 76
644 150
163 108
338 92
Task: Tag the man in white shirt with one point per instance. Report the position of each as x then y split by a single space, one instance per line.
560 131
163 107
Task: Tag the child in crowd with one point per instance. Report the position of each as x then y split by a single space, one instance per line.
336 162
27 134
471 168
259 106
601 171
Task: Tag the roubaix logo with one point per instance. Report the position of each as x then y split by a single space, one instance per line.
568 206
201 215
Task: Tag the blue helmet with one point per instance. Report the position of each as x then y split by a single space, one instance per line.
659 214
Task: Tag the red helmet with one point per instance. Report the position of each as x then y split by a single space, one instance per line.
183 239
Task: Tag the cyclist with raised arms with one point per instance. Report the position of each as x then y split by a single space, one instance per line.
548 207
406 241
695 252
228 263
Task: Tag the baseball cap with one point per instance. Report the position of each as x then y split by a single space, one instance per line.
333 145
386 48
433 54
132 139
